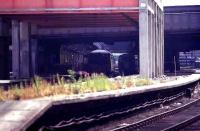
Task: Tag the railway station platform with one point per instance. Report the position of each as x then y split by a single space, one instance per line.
19 115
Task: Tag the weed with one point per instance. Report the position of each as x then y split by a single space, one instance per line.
17 92
142 82
72 75
2 94
94 83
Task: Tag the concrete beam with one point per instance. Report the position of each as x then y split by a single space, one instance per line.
59 31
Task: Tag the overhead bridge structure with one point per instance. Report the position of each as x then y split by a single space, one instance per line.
182 32
27 24
182 27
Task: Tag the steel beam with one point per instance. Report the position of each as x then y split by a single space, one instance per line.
53 6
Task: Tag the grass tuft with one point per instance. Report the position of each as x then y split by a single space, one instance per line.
59 86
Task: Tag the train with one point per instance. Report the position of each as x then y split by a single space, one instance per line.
100 61
128 64
95 61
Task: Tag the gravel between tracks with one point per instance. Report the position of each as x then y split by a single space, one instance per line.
105 126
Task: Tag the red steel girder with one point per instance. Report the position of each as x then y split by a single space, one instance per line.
65 6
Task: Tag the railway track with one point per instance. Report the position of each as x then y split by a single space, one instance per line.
186 117
115 115
84 121
193 127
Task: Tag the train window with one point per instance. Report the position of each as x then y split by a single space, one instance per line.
97 59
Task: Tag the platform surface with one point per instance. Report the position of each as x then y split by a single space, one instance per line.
19 115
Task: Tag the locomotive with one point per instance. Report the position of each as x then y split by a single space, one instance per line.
100 61
128 64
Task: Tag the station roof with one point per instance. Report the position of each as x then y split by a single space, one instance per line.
66 6
73 13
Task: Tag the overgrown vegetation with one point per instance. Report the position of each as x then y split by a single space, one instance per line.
86 84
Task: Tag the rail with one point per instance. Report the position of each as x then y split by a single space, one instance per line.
102 116
150 121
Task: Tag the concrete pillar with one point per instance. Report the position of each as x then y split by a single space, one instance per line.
159 64
161 32
158 42
154 42
24 50
150 47
15 50
144 44
162 42
34 45
151 39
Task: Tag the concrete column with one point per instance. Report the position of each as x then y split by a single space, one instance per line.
15 50
162 40
151 39
158 43
161 43
154 41
153 45
24 50
144 44
158 53
34 44
150 47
